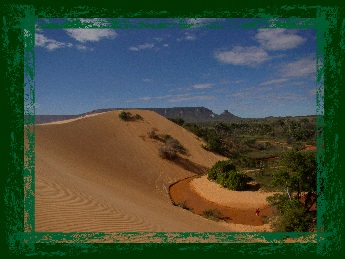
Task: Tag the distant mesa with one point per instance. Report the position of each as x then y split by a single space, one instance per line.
188 114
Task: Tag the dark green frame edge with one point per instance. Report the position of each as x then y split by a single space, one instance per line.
16 242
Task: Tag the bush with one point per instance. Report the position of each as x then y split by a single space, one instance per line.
137 117
176 145
125 116
166 137
220 167
167 152
225 174
233 180
153 134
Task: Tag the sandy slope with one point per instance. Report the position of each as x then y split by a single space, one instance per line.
100 173
214 192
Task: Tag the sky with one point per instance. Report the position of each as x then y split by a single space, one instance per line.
251 72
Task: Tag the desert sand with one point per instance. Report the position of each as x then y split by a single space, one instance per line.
101 174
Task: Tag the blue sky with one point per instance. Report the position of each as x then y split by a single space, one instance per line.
250 72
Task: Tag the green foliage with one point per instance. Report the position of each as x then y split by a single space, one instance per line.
224 173
233 180
299 176
215 144
127 116
291 215
137 117
220 167
302 171
178 121
212 214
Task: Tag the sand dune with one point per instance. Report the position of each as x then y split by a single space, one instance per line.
100 173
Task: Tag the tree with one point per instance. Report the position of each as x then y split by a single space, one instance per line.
299 176
302 170
220 167
225 174
291 215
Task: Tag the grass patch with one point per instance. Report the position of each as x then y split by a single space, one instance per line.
212 214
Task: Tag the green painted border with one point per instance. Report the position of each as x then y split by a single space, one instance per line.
20 236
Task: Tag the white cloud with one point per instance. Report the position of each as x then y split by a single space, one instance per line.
245 56
166 45
304 67
141 47
82 47
159 39
148 80
275 81
189 36
202 86
278 39
92 35
146 98
49 44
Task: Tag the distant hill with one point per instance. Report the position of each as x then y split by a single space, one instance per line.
188 114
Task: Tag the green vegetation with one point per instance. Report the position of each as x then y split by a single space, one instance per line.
178 121
224 173
220 167
271 153
127 116
212 214
293 210
247 142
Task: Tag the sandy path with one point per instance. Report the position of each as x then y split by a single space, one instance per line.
238 218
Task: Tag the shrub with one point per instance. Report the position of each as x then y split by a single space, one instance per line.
176 145
125 116
137 117
234 181
152 133
212 214
166 137
220 167
167 152
225 174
